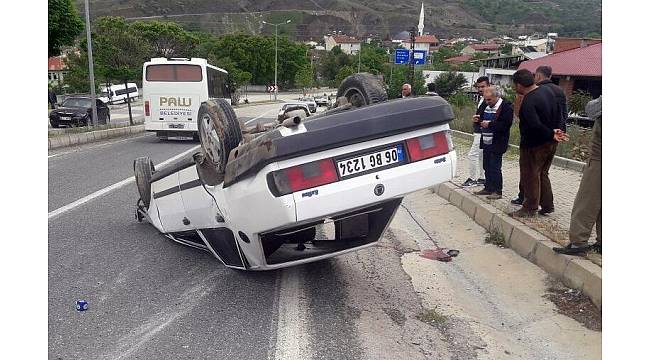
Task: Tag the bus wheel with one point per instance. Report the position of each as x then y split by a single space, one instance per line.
362 89
143 170
219 132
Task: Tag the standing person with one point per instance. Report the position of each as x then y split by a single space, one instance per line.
543 78
587 206
406 90
496 120
540 134
475 154
51 98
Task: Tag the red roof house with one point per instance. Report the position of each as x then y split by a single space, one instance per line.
576 69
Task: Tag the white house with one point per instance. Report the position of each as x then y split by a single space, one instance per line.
349 45
429 43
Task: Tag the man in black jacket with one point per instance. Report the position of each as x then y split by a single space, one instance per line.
540 133
496 119
543 78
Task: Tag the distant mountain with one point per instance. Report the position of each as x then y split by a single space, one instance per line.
380 18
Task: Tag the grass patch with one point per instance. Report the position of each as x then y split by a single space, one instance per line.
83 129
577 148
432 316
495 238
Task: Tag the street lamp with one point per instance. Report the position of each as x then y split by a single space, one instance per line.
276 54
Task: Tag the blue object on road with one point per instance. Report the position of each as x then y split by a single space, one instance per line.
419 56
401 56
82 305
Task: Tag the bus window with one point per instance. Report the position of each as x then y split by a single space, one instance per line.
174 73
217 84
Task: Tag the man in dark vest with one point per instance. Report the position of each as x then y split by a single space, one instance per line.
496 119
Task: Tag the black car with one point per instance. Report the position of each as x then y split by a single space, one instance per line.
76 111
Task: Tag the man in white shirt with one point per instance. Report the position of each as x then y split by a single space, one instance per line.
475 154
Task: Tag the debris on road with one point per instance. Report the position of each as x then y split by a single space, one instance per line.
82 305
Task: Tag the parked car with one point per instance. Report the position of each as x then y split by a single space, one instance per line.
321 100
299 191
302 105
311 104
77 111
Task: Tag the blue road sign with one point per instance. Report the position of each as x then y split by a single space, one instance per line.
401 56
419 56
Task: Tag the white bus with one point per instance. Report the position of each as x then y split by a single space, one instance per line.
173 89
116 93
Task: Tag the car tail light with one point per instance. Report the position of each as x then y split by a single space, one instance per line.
428 146
146 108
304 176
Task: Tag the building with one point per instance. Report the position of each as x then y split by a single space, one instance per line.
429 43
529 45
458 60
56 70
575 69
348 44
500 69
564 44
490 49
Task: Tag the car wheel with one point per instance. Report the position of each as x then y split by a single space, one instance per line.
219 132
143 169
54 124
362 89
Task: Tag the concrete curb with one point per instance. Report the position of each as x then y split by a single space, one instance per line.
557 160
574 272
65 140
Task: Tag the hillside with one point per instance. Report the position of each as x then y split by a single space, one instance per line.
381 18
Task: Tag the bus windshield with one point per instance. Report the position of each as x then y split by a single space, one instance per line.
174 73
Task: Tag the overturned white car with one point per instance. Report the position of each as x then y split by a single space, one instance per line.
304 189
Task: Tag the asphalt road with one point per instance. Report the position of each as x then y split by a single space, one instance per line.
151 298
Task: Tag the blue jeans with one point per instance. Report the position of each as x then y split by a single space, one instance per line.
492 166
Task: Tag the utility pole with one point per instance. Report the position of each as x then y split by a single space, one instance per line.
276 54
91 71
359 66
411 74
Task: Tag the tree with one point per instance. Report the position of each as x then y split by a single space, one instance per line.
304 78
446 84
167 39
399 78
343 73
76 79
119 52
63 25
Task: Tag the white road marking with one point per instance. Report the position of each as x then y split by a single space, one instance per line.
110 188
255 118
292 340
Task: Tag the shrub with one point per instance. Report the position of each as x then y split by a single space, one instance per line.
577 102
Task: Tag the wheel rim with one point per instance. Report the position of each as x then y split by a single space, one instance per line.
355 98
210 139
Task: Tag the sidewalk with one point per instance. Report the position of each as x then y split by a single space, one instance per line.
565 184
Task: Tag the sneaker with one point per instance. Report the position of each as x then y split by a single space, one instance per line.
469 183
572 249
546 211
517 201
521 213
482 192
494 196
480 181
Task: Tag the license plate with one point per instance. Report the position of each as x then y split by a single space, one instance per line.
180 138
176 126
372 161
65 118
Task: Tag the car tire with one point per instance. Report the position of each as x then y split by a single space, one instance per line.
143 169
54 124
362 89
219 132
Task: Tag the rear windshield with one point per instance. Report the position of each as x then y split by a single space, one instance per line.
77 102
174 73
